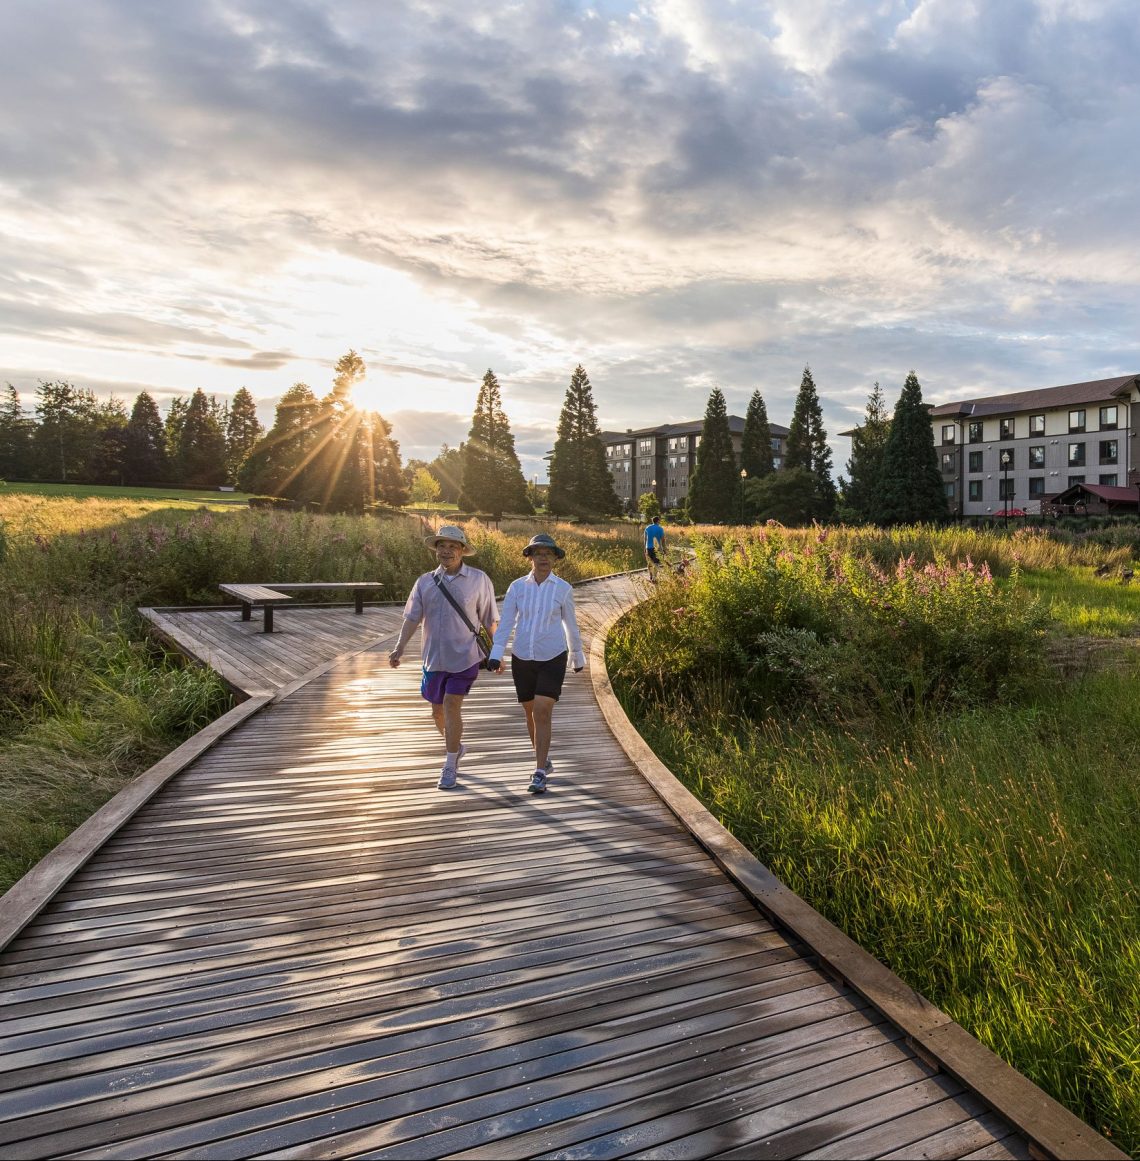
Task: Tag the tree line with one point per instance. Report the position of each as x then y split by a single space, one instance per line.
326 453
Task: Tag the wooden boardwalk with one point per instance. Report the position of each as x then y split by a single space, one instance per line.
298 947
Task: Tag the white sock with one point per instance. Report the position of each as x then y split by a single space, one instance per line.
452 760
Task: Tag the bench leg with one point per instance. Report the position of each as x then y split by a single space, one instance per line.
359 595
268 619
246 609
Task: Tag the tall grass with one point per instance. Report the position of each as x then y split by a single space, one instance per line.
87 702
986 847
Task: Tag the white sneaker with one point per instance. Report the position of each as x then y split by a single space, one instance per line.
447 778
537 782
459 757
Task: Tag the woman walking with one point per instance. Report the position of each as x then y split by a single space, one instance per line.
539 610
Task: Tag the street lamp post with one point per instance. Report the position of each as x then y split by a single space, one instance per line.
1005 458
743 477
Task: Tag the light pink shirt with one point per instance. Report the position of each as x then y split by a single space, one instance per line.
449 646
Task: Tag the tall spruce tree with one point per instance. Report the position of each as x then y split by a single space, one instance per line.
145 459
756 443
865 467
580 482
243 430
15 437
202 446
714 490
493 480
807 445
910 489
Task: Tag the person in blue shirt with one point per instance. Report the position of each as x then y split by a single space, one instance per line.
654 548
539 609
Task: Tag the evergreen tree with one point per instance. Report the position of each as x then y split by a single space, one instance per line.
243 430
714 490
172 427
279 463
202 444
807 446
789 496
580 482
865 466
756 443
383 457
15 437
108 463
492 475
910 490
144 444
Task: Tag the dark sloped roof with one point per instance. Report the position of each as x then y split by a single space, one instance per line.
1102 492
1043 397
686 427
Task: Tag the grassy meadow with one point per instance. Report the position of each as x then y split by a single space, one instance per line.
878 717
88 701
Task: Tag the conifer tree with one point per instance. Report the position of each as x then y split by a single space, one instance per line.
493 480
910 490
756 443
66 439
15 437
714 490
280 461
447 467
807 445
243 430
145 459
580 482
202 446
865 466
172 429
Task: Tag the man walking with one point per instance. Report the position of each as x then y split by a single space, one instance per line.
451 654
539 610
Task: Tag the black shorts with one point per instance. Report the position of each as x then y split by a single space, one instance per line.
652 555
543 678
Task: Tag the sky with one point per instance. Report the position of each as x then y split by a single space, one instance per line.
677 194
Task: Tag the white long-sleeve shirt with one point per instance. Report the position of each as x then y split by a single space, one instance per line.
542 619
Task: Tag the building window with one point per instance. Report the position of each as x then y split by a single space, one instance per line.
1037 425
947 433
1005 429
1006 490
975 490
1037 455
777 463
948 459
1076 455
1108 479
775 443
948 488
1005 458
644 445
1108 418
975 461
1076 480
1036 487
975 431
1108 451
1077 420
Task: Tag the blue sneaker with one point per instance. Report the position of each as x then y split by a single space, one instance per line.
537 783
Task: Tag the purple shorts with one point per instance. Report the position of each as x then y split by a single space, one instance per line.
436 685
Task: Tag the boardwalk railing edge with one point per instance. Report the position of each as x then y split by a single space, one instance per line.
26 898
1050 1127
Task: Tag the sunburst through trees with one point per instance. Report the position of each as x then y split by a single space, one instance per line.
327 453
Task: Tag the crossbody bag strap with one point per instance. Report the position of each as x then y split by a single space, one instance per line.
455 604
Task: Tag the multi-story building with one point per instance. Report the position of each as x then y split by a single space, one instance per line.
661 459
1011 452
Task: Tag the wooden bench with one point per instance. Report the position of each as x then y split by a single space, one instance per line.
268 596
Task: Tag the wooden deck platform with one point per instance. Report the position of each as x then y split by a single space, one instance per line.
298 947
